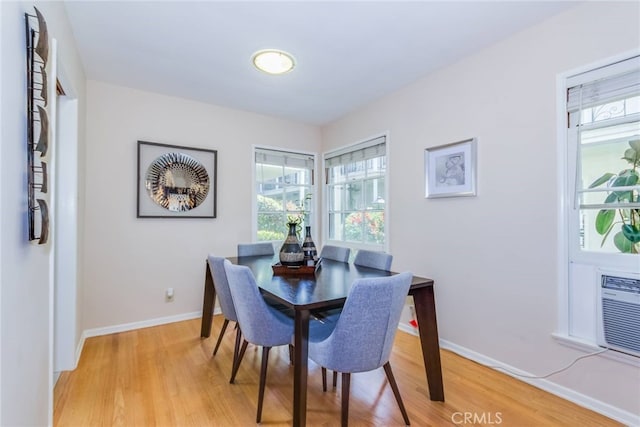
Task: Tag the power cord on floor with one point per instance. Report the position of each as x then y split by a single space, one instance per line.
551 373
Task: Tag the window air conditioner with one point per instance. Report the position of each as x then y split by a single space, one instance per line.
619 312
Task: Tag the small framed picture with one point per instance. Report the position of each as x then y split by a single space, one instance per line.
176 182
450 170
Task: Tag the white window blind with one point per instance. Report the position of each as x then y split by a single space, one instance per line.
364 151
603 90
283 158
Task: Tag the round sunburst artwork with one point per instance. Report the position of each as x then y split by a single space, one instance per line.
177 182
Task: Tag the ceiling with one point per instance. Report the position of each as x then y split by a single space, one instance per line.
348 53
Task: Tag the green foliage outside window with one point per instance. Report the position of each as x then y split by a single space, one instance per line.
373 227
626 221
272 221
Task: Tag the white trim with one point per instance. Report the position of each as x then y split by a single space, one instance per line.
562 190
603 408
566 251
589 347
53 194
88 333
314 187
325 224
405 327
96 332
588 402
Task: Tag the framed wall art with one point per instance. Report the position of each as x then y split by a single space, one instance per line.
450 170
175 181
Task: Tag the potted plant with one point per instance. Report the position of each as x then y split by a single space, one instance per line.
624 222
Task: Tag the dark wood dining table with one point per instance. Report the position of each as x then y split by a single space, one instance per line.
328 288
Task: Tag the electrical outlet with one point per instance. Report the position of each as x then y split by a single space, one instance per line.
169 294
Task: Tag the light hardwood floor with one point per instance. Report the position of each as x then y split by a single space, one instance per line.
166 376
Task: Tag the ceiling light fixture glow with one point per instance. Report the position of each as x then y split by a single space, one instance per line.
273 61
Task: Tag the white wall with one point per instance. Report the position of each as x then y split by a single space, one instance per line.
129 262
25 268
494 257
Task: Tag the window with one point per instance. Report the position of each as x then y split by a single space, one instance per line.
355 180
604 129
600 206
284 183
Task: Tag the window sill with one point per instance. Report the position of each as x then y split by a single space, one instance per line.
591 347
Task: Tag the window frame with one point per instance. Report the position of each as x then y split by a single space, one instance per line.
325 191
568 244
254 190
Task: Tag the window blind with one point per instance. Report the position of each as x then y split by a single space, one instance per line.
283 158
606 89
363 151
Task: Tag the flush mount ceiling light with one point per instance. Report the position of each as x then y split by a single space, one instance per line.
273 61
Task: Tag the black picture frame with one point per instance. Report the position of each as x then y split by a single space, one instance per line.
189 203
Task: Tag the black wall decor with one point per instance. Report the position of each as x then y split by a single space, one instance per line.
37 50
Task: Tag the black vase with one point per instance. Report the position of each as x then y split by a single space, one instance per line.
291 251
309 248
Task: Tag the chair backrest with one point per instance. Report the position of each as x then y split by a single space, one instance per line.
363 337
260 324
255 249
335 253
221 285
379 260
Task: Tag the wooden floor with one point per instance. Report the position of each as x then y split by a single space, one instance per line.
166 376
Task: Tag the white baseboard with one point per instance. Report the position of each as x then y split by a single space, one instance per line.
605 409
405 327
88 333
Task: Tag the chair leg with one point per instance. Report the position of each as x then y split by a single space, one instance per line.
396 392
346 382
224 328
335 379
324 378
291 354
236 365
263 381
236 351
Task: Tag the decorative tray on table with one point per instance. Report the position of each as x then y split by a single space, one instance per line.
295 270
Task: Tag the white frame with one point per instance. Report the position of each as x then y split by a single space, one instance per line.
315 228
441 183
387 213
567 248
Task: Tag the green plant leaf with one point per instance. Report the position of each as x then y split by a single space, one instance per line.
625 179
604 178
631 155
604 220
623 244
631 233
613 197
635 144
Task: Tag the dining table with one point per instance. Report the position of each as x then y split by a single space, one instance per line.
325 288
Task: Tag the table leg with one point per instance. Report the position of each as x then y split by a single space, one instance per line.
300 365
424 301
207 303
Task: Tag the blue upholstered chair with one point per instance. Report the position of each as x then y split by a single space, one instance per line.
261 324
255 249
221 285
379 260
335 253
362 337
